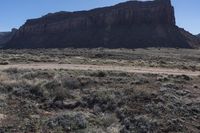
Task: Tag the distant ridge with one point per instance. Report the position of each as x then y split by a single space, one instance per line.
132 24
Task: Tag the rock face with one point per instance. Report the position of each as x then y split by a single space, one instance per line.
133 24
6 36
198 35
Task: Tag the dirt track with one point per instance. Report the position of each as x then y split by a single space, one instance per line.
103 68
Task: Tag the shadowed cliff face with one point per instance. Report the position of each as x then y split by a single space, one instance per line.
6 36
131 24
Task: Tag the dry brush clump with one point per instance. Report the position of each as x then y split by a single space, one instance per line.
4 62
152 57
67 122
38 84
57 100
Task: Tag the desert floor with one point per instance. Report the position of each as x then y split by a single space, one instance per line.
100 90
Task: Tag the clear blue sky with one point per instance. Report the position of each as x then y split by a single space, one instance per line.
13 13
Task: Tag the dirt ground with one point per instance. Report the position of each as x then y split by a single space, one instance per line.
151 57
129 69
100 91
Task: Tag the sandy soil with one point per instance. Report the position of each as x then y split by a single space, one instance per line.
129 69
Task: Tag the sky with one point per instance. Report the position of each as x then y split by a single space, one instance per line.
14 13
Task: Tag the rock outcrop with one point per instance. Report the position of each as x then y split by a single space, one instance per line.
133 24
6 37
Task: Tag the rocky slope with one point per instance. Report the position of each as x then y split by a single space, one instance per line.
133 24
6 36
3 37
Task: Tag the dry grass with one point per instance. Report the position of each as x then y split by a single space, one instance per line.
152 57
51 100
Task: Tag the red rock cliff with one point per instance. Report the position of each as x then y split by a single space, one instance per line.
131 24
